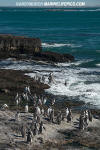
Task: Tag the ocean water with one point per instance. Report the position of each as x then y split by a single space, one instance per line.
74 31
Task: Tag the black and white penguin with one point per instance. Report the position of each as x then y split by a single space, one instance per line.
90 115
23 131
29 137
41 127
81 122
17 116
52 116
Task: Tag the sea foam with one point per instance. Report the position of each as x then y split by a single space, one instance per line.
50 45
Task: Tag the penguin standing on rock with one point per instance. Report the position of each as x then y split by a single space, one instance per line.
26 108
49 112
37 110
17 116
90 115
42 111
17 99
69 116
41 127
36 129
81 123
50 78
67 112
44 101
86 118
29 137
23 131
53 102
43 79
38 119
28 90
52 116
59 118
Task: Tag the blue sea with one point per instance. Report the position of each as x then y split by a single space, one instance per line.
75 31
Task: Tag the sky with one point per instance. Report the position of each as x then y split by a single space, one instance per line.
13 2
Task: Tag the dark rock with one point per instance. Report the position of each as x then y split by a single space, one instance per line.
21 47
19 44
54 57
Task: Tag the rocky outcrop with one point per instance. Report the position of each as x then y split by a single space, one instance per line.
54 57
19 44
25 48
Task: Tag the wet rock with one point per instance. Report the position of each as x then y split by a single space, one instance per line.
54 57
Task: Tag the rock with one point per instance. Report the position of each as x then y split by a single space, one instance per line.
19 44
21 47
54 57
13 81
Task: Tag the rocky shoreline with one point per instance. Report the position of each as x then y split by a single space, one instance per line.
55 137
64 136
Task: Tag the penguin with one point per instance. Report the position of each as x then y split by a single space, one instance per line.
59 117
52 116
17 116
69 117
38 119
23 131
41 127
42 111
90 115
36 129
35 98
17 99
49 111
53 102
38 111
86 118
86 113
24 96
58 120
44 101
40 102
50 78
25 89
26 108
28 90
67 112
81 123
27 97
43 79
65 83
29 137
